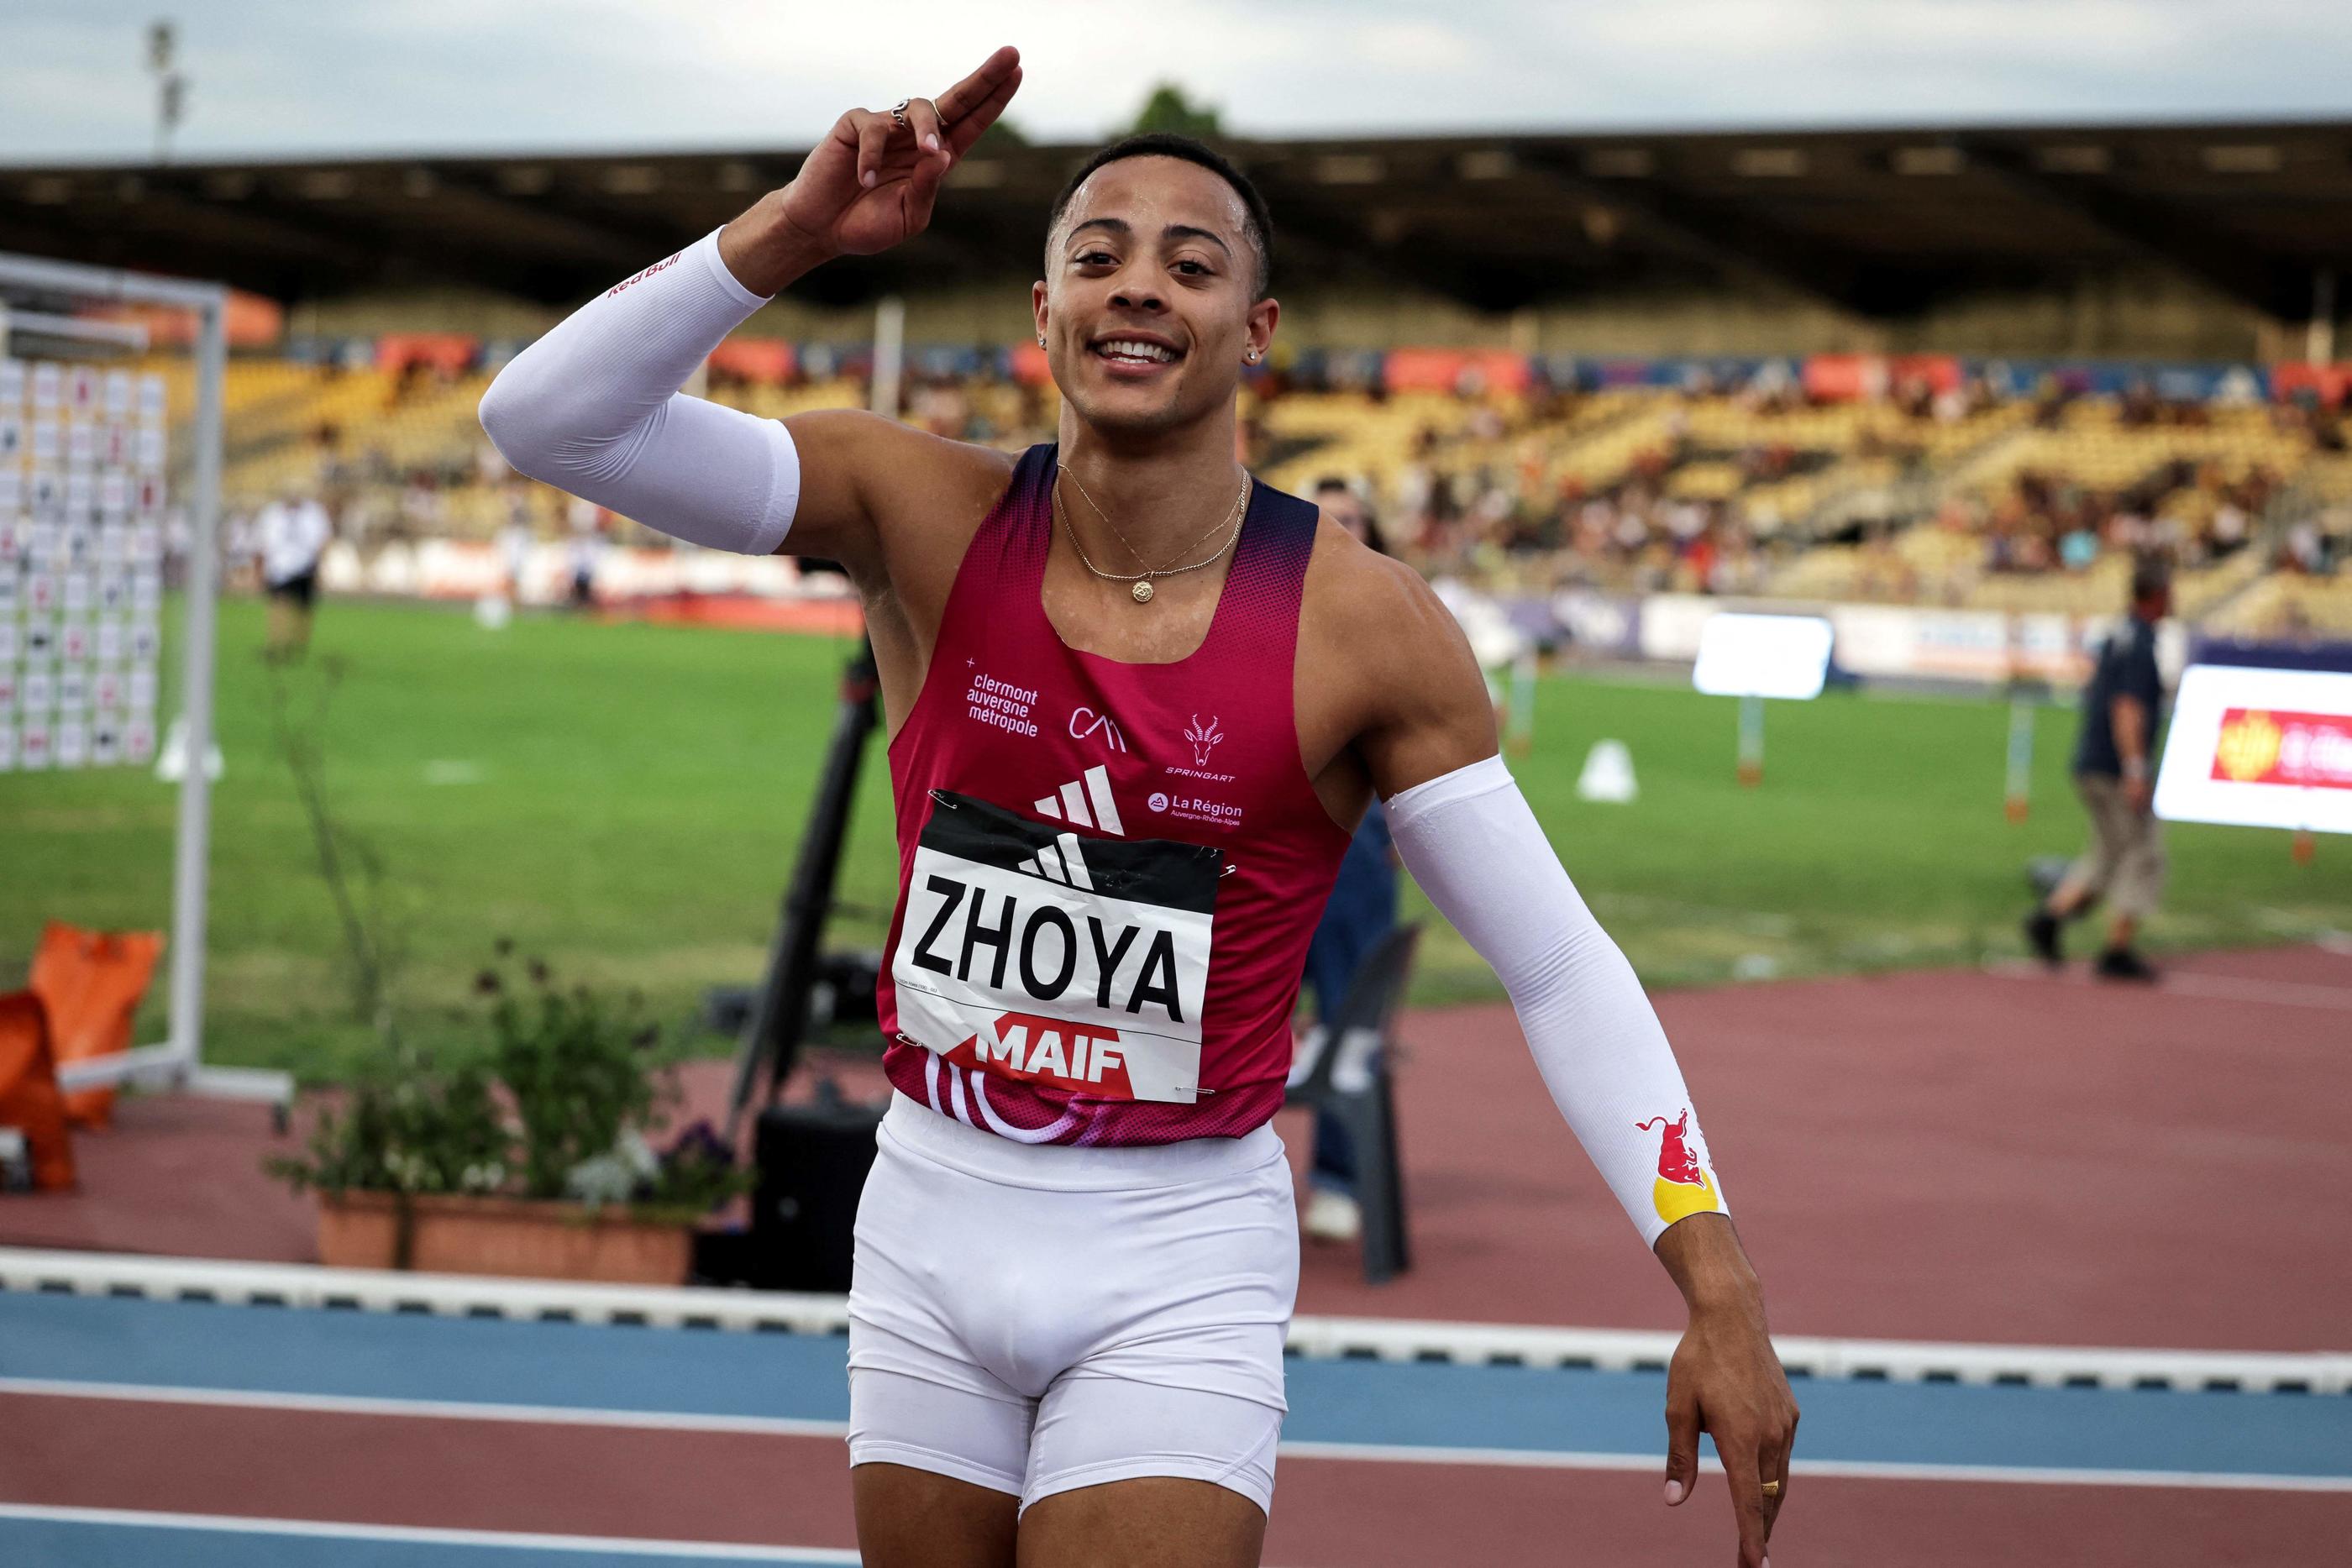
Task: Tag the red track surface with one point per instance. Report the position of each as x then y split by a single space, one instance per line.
1330 1514
1954 1155
749 612
1948 1155
1937 1155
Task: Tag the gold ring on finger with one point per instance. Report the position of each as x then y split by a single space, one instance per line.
1771 1489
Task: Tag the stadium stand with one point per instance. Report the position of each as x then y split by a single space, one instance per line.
1965 497
1973 367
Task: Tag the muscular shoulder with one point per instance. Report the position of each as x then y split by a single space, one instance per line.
868 483
1392 663
1355 596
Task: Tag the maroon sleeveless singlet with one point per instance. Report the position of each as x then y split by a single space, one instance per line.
1107 873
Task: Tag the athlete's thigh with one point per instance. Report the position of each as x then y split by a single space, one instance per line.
1151 1521
919 1519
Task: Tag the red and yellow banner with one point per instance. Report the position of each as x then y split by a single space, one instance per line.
2304 750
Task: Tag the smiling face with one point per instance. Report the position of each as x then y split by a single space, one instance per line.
1149 300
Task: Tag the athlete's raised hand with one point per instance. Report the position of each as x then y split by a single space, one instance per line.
870 183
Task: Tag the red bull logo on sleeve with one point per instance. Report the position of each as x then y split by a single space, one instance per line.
1685 1186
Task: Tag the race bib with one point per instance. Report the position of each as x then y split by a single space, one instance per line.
1039 956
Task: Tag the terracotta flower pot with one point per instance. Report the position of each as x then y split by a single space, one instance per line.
518 1237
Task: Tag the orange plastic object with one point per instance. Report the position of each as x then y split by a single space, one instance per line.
30 1101
91 981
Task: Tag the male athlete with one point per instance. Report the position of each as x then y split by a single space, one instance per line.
1136 702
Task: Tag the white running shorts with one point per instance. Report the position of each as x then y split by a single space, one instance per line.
1033 1319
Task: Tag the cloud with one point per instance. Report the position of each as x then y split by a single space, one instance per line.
296 78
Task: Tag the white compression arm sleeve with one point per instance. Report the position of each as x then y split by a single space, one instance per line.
594 408
1472 842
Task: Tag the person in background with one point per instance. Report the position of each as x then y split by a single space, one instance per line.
1344 506
2112 756
587 551
1360 911
515 539
294 533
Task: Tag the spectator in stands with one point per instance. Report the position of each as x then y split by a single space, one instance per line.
179 539
2113 760
1344 506
2078 550
2305 549
420 507
294 533
1361 910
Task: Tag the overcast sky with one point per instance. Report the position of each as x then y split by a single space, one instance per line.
298 77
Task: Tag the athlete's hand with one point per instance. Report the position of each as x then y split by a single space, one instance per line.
1726 1380
870 183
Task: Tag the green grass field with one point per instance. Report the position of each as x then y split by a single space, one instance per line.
624 801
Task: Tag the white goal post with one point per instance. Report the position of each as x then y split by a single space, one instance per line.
178 1061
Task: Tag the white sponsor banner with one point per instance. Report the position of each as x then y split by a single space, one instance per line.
455 568
1785 656
1672 622
2259 748
1897 641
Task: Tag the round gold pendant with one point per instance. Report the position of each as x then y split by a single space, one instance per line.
1142 591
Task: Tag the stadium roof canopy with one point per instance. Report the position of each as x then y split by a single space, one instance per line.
1879 223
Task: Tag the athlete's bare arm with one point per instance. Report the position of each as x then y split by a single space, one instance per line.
1389 698
1382 670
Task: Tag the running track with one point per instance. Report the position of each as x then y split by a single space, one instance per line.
138 1433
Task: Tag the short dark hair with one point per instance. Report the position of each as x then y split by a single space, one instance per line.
2149 578
1168 144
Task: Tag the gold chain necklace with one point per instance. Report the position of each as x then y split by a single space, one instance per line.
1141 590
1096 507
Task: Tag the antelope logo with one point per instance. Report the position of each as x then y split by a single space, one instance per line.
1203 738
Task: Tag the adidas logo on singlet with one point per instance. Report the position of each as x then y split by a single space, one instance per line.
1070 806
1060 862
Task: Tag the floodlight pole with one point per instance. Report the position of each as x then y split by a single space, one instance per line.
889 355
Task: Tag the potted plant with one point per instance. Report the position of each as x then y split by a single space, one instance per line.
531 1158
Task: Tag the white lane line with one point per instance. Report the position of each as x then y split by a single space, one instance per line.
34 1273
2185 982
2238 988
617 1545
1377 1453
428 1409
1869 1469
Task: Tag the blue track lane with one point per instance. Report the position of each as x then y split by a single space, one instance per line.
1420 1404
